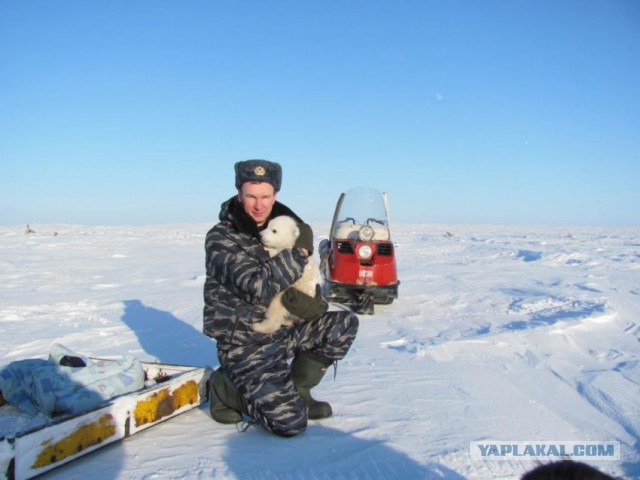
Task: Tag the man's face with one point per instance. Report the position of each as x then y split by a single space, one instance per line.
257 198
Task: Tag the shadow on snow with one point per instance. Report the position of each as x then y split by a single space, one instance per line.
323 453
167 338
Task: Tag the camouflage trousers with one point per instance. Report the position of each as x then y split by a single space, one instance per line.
263 375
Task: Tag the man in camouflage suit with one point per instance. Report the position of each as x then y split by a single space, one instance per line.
255 377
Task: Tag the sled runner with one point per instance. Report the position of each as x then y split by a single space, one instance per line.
47 443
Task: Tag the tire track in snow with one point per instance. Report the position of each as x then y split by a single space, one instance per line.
624 409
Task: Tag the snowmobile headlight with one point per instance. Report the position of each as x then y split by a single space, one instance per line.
366 233
365 252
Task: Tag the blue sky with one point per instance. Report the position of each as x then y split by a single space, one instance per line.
464 111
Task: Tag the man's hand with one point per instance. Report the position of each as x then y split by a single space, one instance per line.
302 305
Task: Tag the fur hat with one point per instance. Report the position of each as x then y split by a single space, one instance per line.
258 171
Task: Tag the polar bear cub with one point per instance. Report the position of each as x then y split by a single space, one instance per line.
281 233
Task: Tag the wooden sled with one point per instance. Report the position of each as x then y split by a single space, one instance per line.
169 391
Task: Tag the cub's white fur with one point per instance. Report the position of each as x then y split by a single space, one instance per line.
281 233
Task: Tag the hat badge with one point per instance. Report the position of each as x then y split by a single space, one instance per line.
259 171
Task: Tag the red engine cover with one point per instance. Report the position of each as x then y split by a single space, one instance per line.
345 267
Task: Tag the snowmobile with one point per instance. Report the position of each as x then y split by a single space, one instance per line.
358 259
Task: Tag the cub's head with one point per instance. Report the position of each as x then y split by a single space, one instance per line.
281 233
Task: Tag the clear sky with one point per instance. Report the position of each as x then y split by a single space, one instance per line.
464 111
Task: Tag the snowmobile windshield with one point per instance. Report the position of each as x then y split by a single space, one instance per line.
360 207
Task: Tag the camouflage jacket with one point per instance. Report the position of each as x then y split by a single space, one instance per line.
241 277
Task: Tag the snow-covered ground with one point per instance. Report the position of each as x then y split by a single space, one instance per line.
500 334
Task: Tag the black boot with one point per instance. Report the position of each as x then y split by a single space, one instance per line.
226 403
307 369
